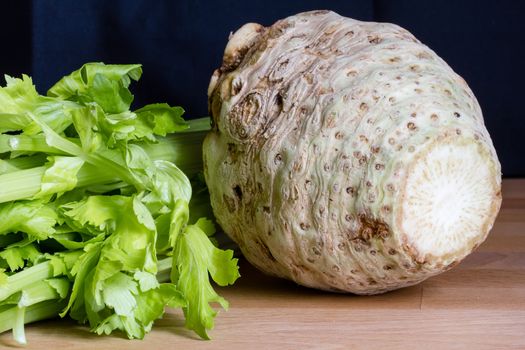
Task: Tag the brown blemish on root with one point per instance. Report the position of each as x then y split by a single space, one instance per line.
230 203
374 39
239 44
238 192
372 229
265 250
245 118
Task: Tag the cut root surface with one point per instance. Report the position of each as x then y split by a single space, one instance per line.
450 199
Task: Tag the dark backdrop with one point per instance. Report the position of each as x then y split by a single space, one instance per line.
180 43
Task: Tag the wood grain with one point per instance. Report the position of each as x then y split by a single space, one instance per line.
478 305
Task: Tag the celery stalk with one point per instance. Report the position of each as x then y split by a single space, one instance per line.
26 162
19 333
37 312
26 278
23 143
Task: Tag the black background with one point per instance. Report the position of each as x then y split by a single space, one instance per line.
180 43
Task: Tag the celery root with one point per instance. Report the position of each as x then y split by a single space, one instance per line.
347 155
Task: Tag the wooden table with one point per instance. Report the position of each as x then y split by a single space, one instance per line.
478 305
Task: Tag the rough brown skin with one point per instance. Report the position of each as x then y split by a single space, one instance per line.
318 122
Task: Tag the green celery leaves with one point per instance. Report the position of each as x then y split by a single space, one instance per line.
95 214
106 85
195 258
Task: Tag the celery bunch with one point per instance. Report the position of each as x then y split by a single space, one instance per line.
96 208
